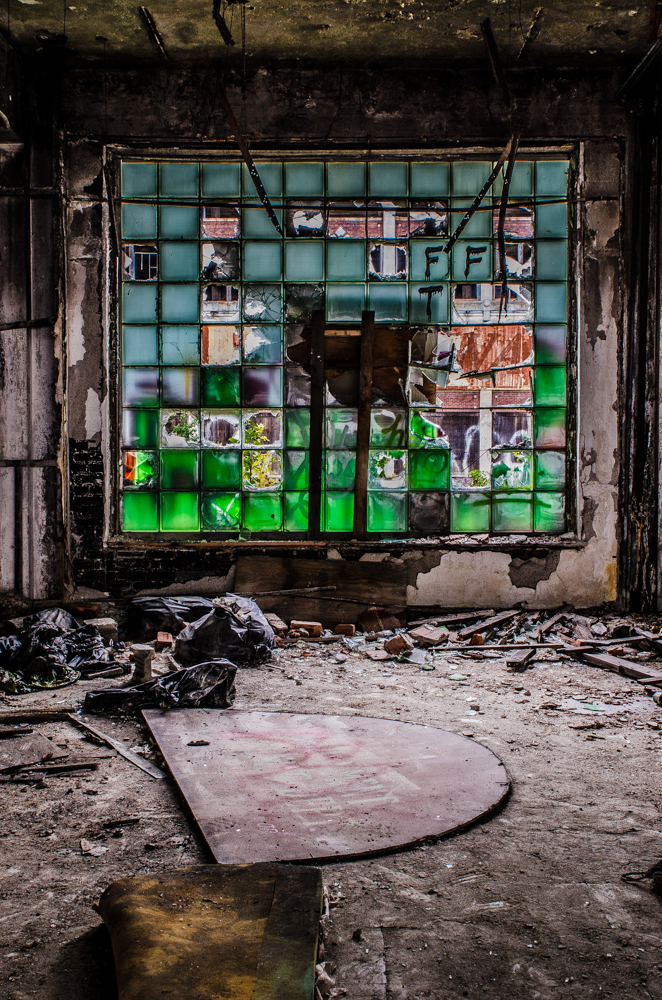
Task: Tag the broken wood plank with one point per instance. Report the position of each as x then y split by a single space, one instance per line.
316 440
37 714
60 768
549 624
363 424
500 619
458 619
13 731
467 217
133 758
519 659
616 664
24 750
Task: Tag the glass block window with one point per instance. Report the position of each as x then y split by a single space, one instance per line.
468 426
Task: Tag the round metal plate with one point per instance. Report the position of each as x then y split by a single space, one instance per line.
275 786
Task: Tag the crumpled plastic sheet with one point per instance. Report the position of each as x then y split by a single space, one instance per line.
205 685
235 628
149 615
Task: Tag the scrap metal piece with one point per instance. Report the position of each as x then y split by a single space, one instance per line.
471 211
134 758
532 33
221 23
153 32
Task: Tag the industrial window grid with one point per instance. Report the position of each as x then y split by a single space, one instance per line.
469 434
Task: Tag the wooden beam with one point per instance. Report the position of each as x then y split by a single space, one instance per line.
316 446
363 428
495 60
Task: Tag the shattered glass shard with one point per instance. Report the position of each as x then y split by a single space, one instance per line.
219 261
221 429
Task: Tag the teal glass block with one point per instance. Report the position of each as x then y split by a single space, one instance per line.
180 512
480 224
339 470
221 511
263 512
140 429
140 386
179 261
296 512
551 260
271 175
549 387
428 303
139 180
550 345
221 386
551 302
262 345
221 469
346 260
262 262
429 470
388 428
140 470
387 511
140 345
389 302
426 429
549 428
180 470
178 222
428 262
180 345
256 223
138 221
512 470
469 177
549 470
472 260
179 303
304 179
388 179
552 177
304 260
429 179
341 428
338 511
178 180
220 180
180 386
512 512
262 303
549 512
140 512
138 302
345 179
297 428
470 512
296 467
345 303
552 220
521 182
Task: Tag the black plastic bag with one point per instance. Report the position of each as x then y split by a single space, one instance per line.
149 615
206 685
235 628
45 651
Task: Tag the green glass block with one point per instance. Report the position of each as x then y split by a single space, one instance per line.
345 179
140 345
549 512
139 180
179 261
345 303
180 512
339 470
512 470
179 470
338 511
435 261
271 175
262 261
469 177
388 301
180 345
549 470
552 177
140 470
511 512
263 512
429 179
178 222
295 470
550 345
429 470
551 260
345 260
472 260
221 387
388 428
341 429
304 179
220 180
428 303
296 512
140 387
549 428
551 302
138 302
262 345
552 220
549 387
425 429
470 512
256 223
138 222
521 182
221 469
387 179
140 429
140 512
304 260
297 428
178 180
179 303
479 226
387 511
221 511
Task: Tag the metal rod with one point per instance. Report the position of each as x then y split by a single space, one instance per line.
501 238
640 69
316 449
363 424
532 33
221 24
466 219
153 32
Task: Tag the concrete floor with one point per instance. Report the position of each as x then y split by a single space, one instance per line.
527 904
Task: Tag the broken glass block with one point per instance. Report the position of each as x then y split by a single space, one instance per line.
340 470
388 428
387 261
342 389
262 386
301 301
470 512
424 386
512 470
220 387
141 386
511 512
219 261
180 512
140 429
140 345
426 429
221 429
263 513
304 260
387 470
180 345
295 470
518 224
428 218
387 511
262 303
179 428
220 304
549 512
140 470
519 260
549 470
429 469
262 470
220 345
221 511
475 304
297 428
512 427
341 428
304 217
296 511
429 513
435 348
180 386
262 428
262 345
338 511
463 430
387 220
346 220
140 262
549 428
221 469
140 512
220 222
297 386
180 470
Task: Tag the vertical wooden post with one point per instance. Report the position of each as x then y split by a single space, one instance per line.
316 446
363 432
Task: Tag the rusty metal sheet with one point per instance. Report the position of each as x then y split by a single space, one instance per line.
276 786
